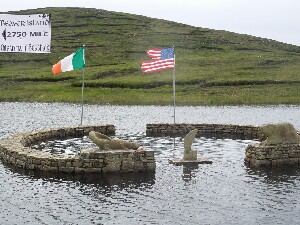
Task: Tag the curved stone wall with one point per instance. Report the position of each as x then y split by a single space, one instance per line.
16 150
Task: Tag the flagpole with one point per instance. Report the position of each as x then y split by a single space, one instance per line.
82 90
174 101
174 97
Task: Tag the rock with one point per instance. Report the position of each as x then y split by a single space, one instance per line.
106 143
280 134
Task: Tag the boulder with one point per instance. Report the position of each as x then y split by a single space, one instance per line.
106 143
283 133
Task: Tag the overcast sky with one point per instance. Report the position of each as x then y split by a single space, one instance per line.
275 19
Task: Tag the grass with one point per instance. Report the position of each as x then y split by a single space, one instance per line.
212 67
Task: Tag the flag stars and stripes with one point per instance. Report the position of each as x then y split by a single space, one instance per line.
154 53
167 53
161 59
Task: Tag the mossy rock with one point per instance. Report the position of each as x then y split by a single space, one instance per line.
283 133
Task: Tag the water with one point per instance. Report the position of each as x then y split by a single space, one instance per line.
69 146
225 192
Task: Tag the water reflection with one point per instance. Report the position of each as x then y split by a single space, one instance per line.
188 172
125 180
275 175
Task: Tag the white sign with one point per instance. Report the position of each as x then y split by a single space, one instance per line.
25 33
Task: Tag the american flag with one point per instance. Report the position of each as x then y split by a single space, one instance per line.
161 59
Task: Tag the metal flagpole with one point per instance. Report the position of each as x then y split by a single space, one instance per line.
82 89
174 100
174 97
82 95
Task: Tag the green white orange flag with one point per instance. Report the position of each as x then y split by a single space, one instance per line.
75 61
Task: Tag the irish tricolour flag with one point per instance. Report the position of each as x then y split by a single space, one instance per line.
74 61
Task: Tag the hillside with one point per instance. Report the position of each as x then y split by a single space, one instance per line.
212 67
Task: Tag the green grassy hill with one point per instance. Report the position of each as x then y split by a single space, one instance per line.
212 67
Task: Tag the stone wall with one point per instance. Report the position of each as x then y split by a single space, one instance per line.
16 150
205 130
272 155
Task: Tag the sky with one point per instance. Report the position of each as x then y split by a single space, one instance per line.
273 19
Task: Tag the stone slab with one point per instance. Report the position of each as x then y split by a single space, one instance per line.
179 162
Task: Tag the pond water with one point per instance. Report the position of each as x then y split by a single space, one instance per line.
225 192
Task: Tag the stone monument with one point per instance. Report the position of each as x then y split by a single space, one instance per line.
282 133
106 143
189 155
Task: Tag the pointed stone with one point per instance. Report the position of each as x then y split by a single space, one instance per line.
189 155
